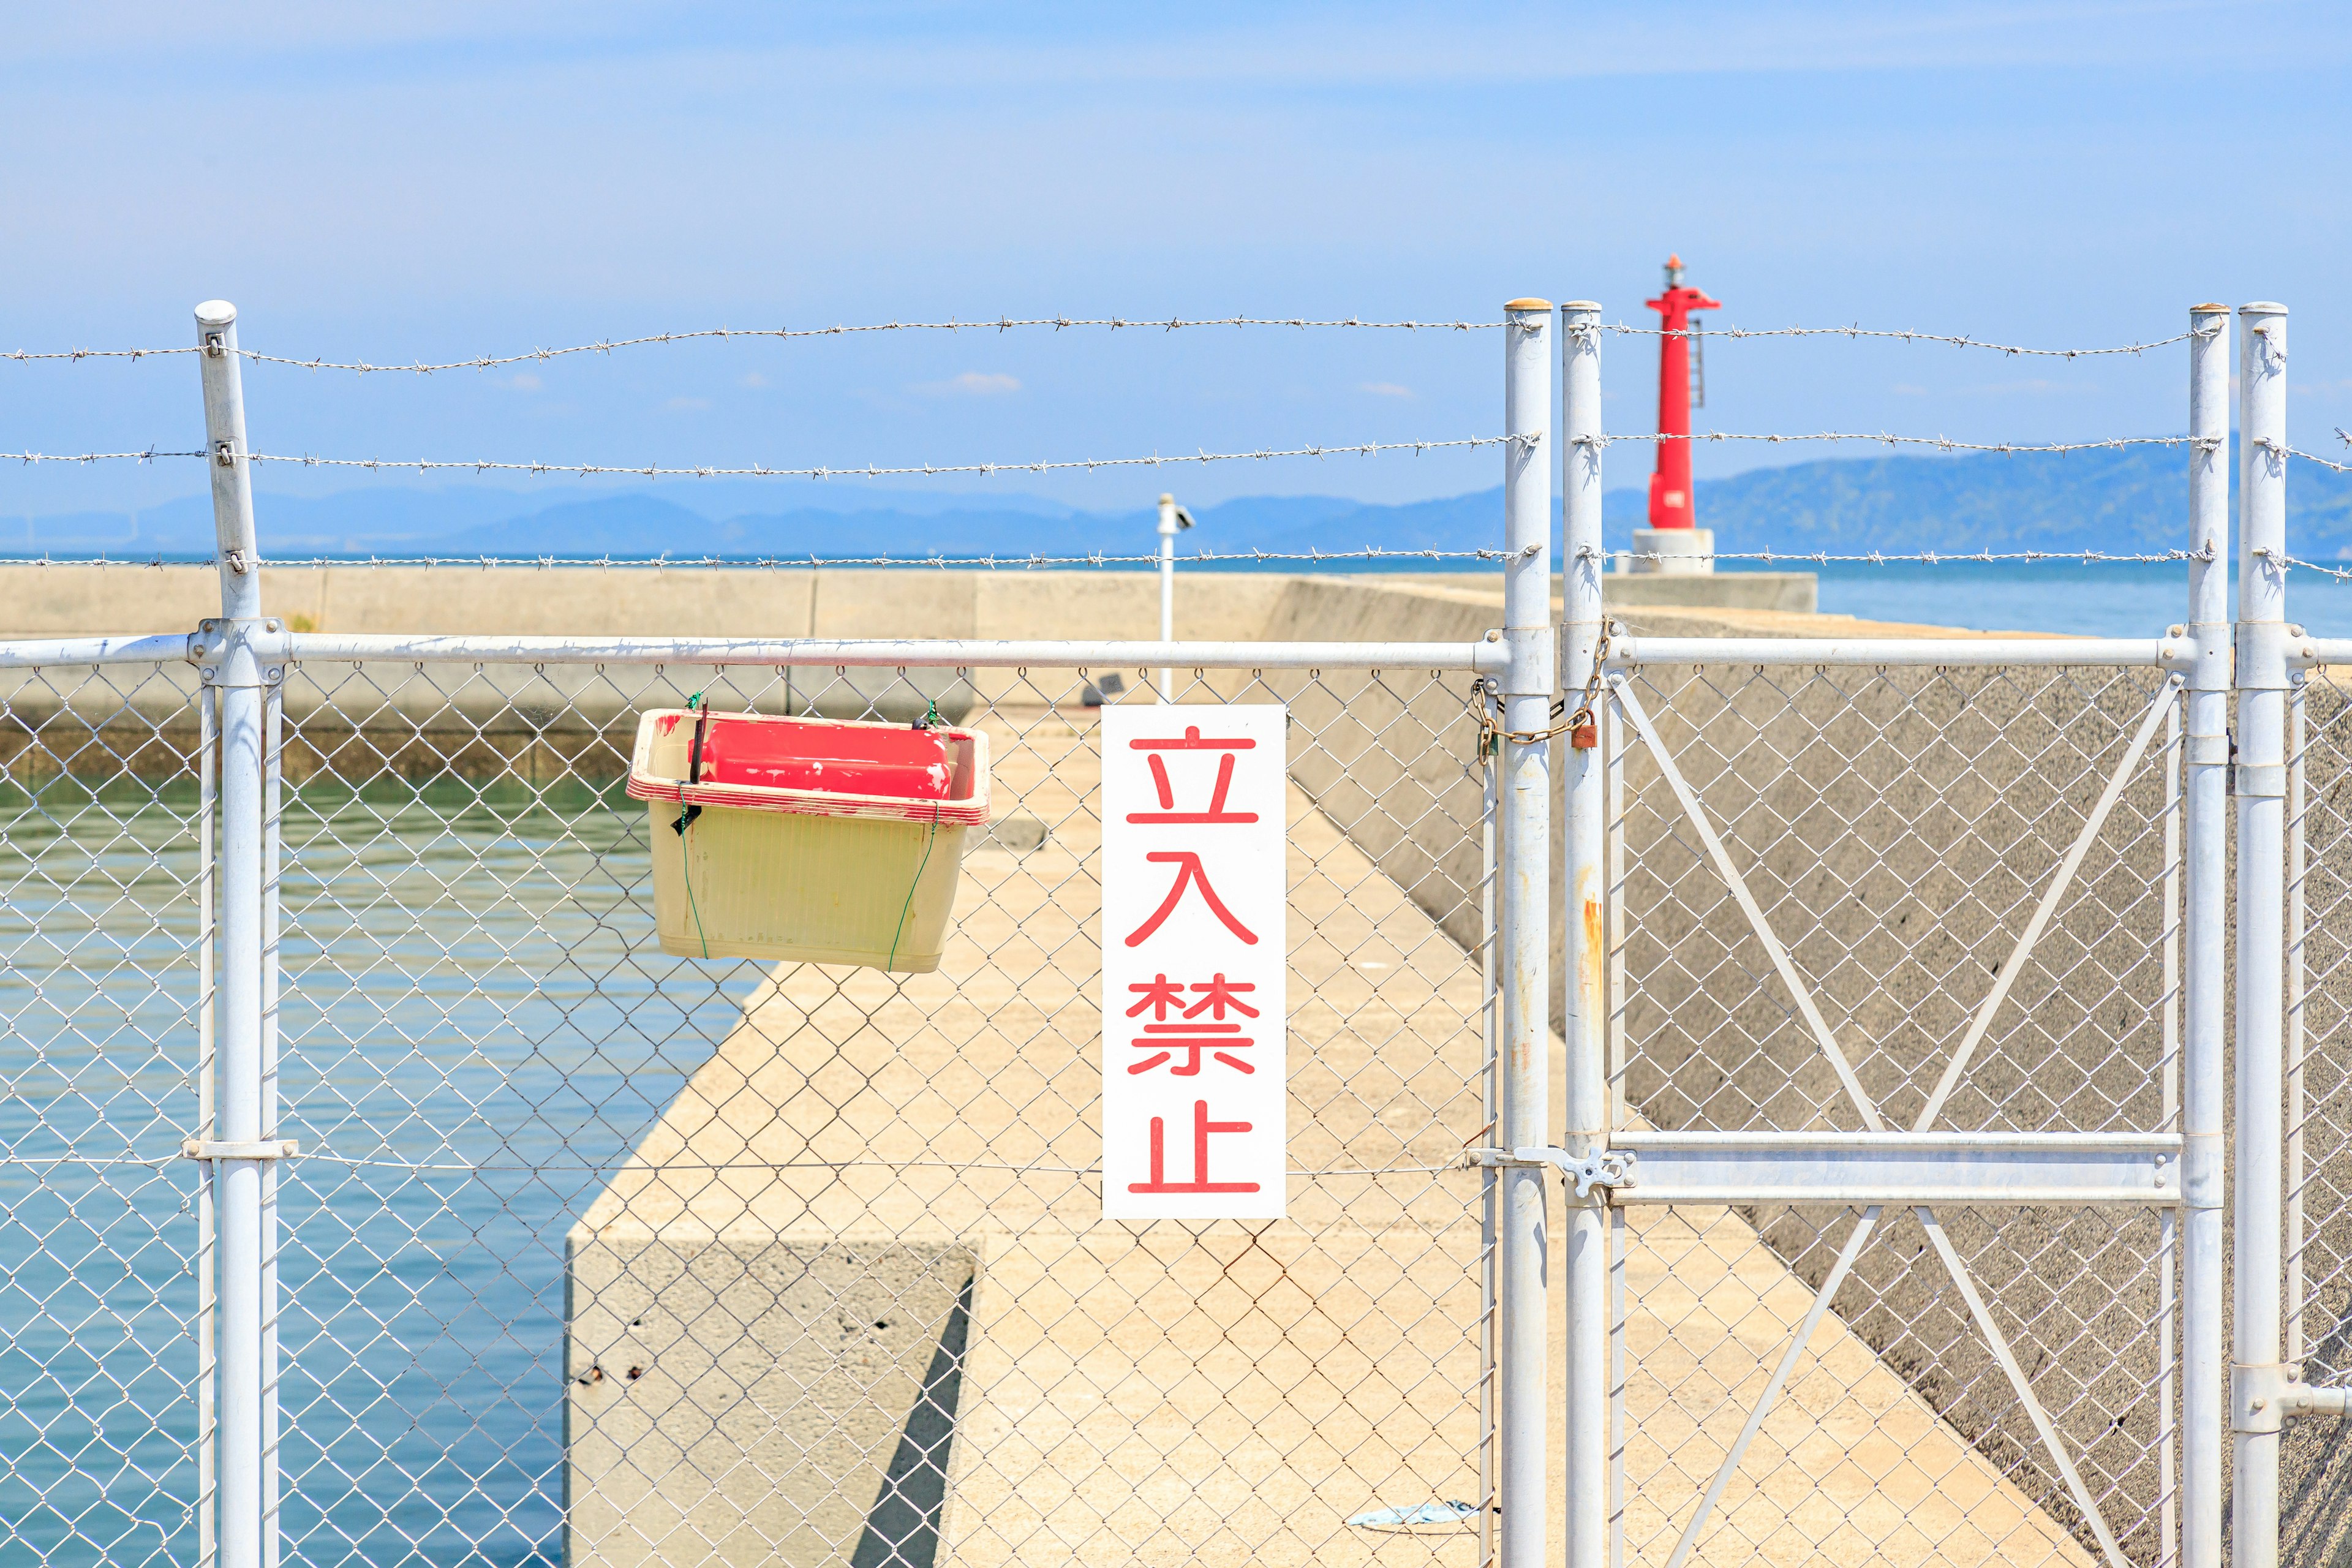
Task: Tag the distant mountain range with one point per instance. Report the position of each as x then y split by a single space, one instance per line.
2131 500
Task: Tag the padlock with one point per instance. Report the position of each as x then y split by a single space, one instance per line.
1586 736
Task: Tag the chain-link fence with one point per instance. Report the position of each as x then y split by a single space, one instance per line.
103 854
2316 1512
595 1254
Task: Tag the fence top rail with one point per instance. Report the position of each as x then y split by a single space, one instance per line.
894 653
2169 653
40 652
2310 652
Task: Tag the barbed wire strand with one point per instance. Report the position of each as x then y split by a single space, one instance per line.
870 470
1958 341
2286 451
1940 443
76 355
1059 323
2340 573
974 562
148 456
1360 449
1001 324
1919 558
1200 557
875 470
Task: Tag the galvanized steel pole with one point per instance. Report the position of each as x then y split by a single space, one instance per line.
1525 792
2257 1380
1167 589
2206 809
235 669
1590 1499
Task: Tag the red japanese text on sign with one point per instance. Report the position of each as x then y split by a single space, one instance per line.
1195 1090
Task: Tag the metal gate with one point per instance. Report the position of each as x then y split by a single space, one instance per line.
1894 1114
1895 1076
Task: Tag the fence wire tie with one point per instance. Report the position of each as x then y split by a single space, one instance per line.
254 1149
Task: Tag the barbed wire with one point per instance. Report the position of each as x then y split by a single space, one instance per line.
1112 323
2282 450
871 471
2341 573
962 563
148 456
1941 443
97 354
1001 324
875 470
1918 558
1035 562
1959 340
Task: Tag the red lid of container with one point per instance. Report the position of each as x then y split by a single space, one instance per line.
817 767
843 759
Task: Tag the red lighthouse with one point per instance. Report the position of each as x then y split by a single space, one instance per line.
1669 486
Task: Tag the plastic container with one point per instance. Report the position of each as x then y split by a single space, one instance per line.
825 840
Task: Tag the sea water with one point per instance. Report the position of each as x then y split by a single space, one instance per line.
476 1026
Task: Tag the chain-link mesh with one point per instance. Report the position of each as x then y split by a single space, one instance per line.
101 929
1899 832
601 1255
2315 1461
2319 1012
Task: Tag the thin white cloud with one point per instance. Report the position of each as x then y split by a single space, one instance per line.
690 405
752 379
971 384
523 381
1385 389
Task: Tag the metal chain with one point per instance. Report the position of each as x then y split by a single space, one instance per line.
1492 734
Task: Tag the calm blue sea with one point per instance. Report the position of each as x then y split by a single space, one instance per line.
476 1026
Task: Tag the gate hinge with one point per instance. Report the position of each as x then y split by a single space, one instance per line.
256 1149
1608 1170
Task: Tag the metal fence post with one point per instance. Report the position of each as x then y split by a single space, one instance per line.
1526 790
2205 920
1590 1491
2257 1380
1167 589
234 666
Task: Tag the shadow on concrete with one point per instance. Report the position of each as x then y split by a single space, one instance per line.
903 1531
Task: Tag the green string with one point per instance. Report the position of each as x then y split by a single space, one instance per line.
929 721
685 871
928 840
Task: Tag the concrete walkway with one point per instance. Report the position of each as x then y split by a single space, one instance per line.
757 1297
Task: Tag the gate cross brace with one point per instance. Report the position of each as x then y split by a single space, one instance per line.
1621 691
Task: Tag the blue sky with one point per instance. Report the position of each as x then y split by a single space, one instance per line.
441 180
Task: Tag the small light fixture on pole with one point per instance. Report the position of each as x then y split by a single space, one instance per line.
1173 520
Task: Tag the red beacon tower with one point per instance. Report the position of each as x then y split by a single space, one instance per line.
1673 538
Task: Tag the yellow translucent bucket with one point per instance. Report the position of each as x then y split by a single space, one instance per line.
826 874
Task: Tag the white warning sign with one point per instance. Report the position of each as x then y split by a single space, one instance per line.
1195 952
